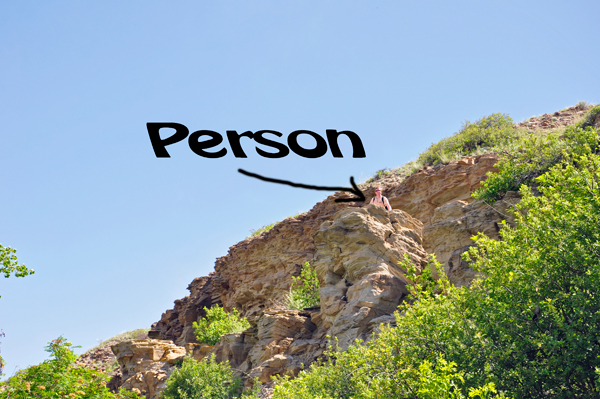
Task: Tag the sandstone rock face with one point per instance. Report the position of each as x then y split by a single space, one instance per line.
421 193
453 225
146 364
176 324
356 258
357 263
256 273
281 343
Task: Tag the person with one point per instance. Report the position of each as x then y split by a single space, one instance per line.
380 200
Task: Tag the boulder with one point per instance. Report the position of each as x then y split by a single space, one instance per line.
146 364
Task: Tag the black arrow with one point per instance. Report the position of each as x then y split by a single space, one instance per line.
354 190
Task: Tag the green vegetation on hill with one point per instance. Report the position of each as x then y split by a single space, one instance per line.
591 117
492 133
488 132
528 329
217 323
304 292
524 160
59 377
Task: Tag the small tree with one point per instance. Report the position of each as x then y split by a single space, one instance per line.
9 264
304 292
218 322
205 379
59 377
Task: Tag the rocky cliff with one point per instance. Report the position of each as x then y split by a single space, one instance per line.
256 273
355 250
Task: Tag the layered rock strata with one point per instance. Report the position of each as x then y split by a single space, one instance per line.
454 224
146 364
357 262
356 258
256 273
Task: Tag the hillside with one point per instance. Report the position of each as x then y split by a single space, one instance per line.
360 255
355 251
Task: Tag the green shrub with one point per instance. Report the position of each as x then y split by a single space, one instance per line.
218 322
590 118
380 174
538 309
304 292
487 132
204 379
402 362
59 377
259 231
529 158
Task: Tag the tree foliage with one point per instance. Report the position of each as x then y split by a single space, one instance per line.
530 157
59 377
204 379
218 322
304 292
539 310
9 264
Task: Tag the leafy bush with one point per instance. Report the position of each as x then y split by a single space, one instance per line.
259 231
9 264
218 322
59 377
402 362
531 157
591 117
538 309
204 379
304 292
380 174
487 132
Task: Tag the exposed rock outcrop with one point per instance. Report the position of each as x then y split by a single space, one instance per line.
357 263
355 251
256 273
421 193
146 364
356 259
452 226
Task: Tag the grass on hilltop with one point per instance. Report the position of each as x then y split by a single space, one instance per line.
493 133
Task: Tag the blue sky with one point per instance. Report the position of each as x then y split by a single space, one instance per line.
115 235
